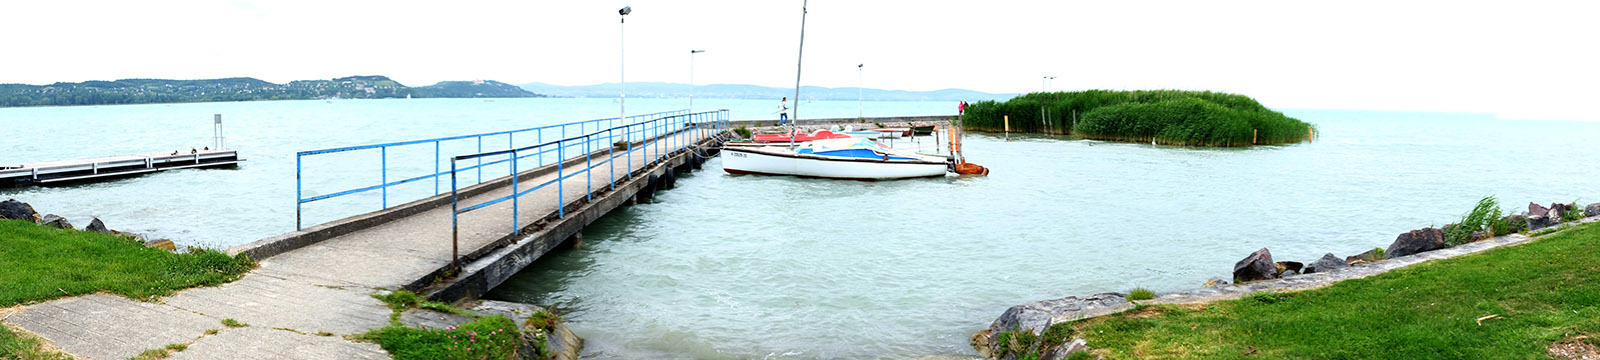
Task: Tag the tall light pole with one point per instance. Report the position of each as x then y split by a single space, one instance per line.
691 78
622 60
860 84
1046 82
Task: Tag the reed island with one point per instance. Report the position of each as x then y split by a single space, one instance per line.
1168 117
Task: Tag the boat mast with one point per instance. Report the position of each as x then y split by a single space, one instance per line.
800 59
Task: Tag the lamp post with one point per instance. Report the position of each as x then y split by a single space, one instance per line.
691 78
622 62
1046 82
860 84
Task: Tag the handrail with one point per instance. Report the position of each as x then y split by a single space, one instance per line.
384 183
657 132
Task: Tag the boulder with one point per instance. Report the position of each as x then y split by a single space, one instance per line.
1289 266
97 226
1257 266
1559 210
559 341
1366 257
1328 262
1066 350
1416 241
1036 316
1592 210
1516 223
54 221
1215 282
13 209
1537 210
1479 235
1536 222
163 244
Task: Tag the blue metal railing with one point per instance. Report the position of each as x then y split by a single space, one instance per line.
438 157
661 140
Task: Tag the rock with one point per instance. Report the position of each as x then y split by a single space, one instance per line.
13 209
559 341
1215 282
163 244
1537 210
1541 221
1066 350
1558 210
1592 210
54 221
1479 235
1289 266
1036 316
1366 257
1517 223
1328 262
97 226
1415 241
1257 266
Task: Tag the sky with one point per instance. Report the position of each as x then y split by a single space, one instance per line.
1523 59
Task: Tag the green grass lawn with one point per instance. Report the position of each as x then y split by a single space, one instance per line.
40 263
1540 293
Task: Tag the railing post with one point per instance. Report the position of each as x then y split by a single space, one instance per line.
588 171
436 168
455 225
298 193
611 159
384 167
561 202
515 207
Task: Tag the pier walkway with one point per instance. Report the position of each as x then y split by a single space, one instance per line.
315 285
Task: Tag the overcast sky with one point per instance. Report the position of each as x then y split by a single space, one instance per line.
1519 59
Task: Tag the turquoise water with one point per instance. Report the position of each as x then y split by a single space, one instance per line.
743 267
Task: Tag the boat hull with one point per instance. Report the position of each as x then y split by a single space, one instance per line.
760 161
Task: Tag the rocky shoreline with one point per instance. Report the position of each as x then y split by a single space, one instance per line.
1258 273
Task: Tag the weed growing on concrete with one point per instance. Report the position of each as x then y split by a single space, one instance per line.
742 131
211 331
230 322
324 333
152 354
1140 293
492 337
177 347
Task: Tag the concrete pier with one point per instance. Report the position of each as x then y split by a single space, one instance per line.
319 280
95 169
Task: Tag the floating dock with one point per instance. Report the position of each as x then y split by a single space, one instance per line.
95 169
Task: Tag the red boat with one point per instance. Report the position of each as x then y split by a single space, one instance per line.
818 135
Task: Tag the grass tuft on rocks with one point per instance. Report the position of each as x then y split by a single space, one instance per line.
1539 293
43 263
1140 293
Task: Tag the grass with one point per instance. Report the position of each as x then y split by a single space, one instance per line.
230 322
492 337
1174 117
43 263
1141 294
15 345
1540 292
742 131
488 337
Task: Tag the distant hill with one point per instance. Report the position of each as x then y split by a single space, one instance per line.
730 91
152 91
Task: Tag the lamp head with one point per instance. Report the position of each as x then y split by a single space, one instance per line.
625 10
696 51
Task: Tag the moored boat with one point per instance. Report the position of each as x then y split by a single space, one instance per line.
857 159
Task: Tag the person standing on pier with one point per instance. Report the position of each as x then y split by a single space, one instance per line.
783 111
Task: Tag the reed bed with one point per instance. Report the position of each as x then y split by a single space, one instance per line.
1172 117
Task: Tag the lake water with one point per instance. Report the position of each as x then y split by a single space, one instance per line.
771 267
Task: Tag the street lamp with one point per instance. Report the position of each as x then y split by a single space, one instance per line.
859 85
691 78
622 61
1046 82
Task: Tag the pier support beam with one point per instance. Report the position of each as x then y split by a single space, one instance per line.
575 241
